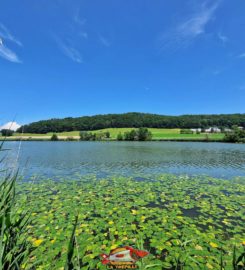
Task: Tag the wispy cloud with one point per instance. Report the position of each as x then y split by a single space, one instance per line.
104 41
241 55
78 25
83 35
224 39
77 19
69 50
72 37
5 34
217 71
9 55
5 52
192 27
241 87
72 53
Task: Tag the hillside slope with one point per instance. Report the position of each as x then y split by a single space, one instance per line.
133 120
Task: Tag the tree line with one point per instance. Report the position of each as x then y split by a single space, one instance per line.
133 120
141 134
89 136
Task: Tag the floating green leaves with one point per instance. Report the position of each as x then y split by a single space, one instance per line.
182 221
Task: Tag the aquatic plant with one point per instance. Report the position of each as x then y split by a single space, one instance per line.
14 248
70 264
185 223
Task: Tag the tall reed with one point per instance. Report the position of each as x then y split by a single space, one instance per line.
14 248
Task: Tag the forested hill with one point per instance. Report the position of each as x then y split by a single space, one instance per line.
133 120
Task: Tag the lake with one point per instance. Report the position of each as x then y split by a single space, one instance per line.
160 211
70 159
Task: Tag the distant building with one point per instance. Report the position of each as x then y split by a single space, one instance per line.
213 130
227 130
241 128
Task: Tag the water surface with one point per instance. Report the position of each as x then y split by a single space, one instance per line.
68 159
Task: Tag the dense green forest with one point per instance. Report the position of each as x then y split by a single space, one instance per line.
133 120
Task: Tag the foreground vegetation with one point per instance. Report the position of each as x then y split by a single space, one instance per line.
135 120
185 223
14 248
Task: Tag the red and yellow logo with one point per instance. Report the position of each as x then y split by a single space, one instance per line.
123 258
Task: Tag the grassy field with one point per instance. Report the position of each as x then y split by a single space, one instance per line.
70 133
157 134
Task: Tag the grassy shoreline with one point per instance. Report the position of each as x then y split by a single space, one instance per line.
113 140
157 135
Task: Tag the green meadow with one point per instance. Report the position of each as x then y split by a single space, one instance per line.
185 223
157 134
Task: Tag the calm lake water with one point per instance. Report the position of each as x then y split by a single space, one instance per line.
68 159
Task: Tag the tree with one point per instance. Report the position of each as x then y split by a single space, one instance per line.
54 137
144 134
7 132
119 136
107 134
131 135
85 136
236 136
98 136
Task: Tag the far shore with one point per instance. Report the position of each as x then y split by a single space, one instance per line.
111 134
77 139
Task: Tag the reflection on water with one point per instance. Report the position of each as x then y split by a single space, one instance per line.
63 159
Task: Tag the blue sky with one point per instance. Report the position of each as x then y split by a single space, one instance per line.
64 58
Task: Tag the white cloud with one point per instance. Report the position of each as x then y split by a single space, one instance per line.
104 41
192 27
5 52
10 125
196 24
